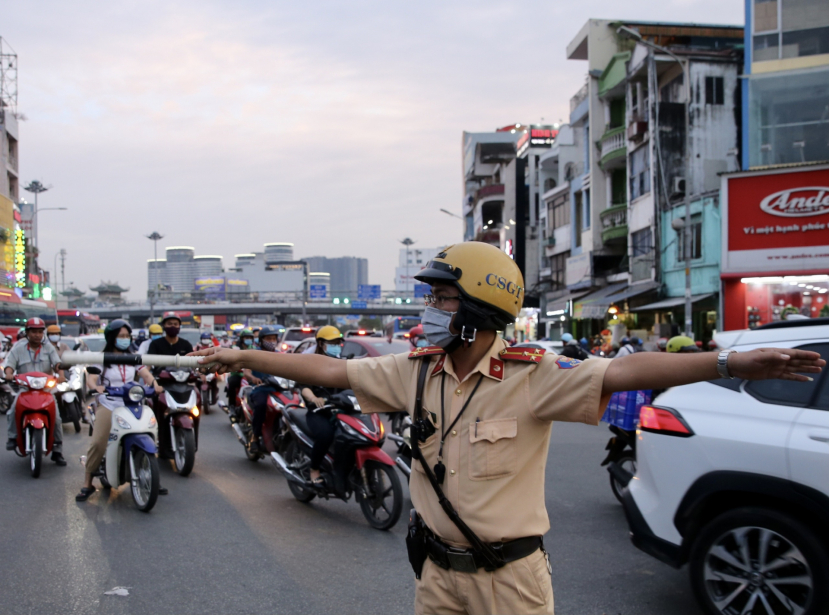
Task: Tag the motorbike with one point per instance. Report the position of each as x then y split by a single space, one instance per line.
209 391
355 464
272 436
401 424
132 447
70 397
6 396
36 416
178 408
233 407
621 455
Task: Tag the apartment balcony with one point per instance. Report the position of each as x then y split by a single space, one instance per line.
613 148
11 164
487 191
615 224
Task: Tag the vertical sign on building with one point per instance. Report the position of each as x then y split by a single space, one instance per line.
20 258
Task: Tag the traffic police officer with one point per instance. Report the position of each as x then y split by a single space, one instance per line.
484 422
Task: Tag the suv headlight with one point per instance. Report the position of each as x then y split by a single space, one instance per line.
136 393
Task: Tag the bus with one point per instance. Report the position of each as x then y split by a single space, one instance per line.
74 322
14 312
399 327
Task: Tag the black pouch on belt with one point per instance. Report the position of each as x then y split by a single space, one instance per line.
416 543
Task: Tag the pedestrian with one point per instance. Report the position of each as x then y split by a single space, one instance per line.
482 417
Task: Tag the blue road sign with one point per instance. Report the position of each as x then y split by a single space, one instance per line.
317 291
359 305
420 290
368 291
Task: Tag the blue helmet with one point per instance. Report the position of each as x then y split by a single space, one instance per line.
269 330
566 337
624 340
206 336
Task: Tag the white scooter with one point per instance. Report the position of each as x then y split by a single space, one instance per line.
69 395
132 447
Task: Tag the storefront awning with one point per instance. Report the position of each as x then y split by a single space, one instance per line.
560 303
596 303
633 291
667 304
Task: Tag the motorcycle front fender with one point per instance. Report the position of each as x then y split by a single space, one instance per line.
182 420
140 440
68 398
372 453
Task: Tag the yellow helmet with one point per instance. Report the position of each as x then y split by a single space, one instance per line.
53 329
681 343
155 329
328 333
483 274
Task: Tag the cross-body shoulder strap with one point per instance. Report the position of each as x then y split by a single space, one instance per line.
493 560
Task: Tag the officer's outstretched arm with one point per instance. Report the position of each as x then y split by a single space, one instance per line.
305 368
657 370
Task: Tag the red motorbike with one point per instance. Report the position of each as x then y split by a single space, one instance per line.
35 415
355 463
284 396
209 391
177 410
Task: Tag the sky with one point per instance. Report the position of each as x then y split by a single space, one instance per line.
226 125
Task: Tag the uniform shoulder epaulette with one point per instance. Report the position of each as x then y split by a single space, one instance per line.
527 355
426 351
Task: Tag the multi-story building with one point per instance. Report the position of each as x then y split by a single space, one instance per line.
408 264
640 164
9 178
178 271
347 272
776 210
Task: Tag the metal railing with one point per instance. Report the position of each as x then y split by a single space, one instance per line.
612 140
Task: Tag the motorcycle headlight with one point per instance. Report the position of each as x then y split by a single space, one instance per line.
122 423
180 376
285 383
37 383
62 387
136 393
355 402
153 422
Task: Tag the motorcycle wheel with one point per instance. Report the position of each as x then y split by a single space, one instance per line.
626 461
184 451
5 402
75 415
36 455
144 485
254 457
295 456
384 484
205 402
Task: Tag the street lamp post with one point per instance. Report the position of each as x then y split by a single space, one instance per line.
408 243
154 236
686 227
36 187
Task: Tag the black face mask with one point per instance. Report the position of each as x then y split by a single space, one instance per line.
172 331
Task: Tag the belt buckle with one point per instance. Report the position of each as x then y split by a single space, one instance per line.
461 561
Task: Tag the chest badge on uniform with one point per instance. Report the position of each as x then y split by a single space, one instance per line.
567 362
496 368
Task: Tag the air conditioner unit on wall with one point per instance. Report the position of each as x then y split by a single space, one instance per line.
637 130
679 185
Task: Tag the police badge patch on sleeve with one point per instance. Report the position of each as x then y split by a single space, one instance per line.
567 362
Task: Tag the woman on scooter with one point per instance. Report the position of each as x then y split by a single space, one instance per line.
321 422
118 339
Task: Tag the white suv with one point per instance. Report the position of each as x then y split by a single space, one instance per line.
732 478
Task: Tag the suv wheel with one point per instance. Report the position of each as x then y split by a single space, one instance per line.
759 561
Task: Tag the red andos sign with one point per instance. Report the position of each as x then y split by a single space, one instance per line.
781 210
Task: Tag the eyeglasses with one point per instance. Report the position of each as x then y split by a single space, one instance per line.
439 301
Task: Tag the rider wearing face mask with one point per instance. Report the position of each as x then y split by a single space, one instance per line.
269 342
156 332
417 338
321 422
171 344
234 379
53 335
118 341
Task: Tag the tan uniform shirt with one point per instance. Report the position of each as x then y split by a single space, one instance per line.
496 454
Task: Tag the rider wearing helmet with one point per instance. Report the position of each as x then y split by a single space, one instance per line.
417 338
205 341
118 340
171 344
681 343
626 346
53 334
269 342
34 356
572 348
320 422
21 333
156 332
234 380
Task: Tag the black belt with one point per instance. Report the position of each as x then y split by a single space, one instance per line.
468 560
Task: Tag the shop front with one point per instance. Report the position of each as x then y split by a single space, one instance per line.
775 262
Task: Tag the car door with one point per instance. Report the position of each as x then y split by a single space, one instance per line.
808 446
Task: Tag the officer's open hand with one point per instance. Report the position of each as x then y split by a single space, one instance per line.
783 363
220 360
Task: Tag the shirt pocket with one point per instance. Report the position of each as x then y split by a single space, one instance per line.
492 451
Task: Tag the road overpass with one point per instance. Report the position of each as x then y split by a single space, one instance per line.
138 314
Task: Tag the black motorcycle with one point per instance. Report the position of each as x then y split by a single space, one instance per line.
355 464
400 434
621 452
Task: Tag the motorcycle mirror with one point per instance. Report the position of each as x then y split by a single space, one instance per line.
91 369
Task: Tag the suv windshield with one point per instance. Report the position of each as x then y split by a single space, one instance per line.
295 335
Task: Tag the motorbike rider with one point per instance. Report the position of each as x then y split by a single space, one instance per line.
53 334
156 332
269 342
321 422
117 336
34 356
417 337
205 341
682 344
234 380
171 344
572 348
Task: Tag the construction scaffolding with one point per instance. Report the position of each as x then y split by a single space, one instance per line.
8 76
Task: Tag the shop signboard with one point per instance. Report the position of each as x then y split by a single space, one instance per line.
776 221
212 287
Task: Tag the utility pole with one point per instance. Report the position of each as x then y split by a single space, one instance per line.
408 243
687 163
154 236
63 269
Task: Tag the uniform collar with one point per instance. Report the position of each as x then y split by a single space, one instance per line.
490 365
